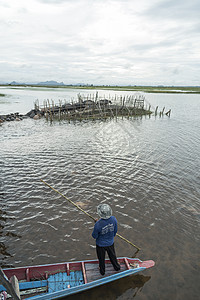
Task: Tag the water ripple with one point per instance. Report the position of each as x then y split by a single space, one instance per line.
149 175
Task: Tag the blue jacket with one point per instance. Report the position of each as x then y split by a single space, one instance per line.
105 231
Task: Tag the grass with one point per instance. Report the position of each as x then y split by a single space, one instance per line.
146 89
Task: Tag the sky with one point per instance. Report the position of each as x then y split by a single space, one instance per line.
100 42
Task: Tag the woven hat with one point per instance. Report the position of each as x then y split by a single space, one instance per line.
104 211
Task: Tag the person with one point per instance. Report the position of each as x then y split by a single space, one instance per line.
104 232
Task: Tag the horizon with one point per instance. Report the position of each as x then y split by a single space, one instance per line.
57 83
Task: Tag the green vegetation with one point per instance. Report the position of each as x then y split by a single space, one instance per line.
2 95
146 89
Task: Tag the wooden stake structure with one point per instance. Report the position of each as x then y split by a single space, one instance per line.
93 107
90 216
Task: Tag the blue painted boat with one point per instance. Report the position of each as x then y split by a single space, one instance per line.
56 281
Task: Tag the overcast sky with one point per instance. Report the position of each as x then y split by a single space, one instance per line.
147 42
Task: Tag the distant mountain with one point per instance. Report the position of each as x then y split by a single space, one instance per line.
45 83
16 83
50 82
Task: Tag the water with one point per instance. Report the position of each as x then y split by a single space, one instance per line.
146 168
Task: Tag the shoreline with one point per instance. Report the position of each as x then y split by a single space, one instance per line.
145 89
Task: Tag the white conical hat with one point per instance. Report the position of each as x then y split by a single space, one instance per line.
104 211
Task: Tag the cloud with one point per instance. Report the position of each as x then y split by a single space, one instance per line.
55 1
175 10
100 42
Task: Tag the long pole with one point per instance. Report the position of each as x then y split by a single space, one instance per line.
121 237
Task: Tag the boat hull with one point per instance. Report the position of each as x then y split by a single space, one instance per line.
56 281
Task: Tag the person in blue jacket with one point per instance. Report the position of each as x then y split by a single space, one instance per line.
104 232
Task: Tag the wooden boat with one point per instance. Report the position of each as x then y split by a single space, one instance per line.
56 281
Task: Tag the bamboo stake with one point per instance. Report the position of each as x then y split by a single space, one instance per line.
51 117
59 110
90 216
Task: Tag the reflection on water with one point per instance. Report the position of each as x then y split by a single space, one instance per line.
3 249
123 289
147 169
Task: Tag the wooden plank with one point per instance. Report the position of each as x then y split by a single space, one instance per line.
108 267
58 282
28 274
68 270
61 280
72 280
126 263
33 292
8 285
93 273
91 266
15 283
84 272
32 284
28 285
79 277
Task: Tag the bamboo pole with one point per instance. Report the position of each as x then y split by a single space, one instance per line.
45 109
90 216
60 110
51 117
52 102
168 113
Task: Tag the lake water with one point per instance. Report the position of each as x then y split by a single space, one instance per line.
146 168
